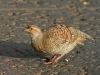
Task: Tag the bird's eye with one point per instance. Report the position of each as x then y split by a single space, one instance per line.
31 28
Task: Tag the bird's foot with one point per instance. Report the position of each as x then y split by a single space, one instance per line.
54 59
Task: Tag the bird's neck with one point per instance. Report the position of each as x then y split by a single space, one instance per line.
37 40
37 37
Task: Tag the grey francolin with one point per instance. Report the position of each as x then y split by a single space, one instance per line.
57 40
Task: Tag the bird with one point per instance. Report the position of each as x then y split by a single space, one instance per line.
57 40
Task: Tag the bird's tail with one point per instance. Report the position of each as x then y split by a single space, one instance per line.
85 36
82 37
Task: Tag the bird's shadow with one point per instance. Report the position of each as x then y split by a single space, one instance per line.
18 50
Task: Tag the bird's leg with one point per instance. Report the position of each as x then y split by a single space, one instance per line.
51 60
58 58
54 59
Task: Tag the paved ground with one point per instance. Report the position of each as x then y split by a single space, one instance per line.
16 54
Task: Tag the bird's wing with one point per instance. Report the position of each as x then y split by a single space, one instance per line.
65 34
61 34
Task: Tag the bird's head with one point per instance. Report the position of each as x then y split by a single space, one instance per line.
33 30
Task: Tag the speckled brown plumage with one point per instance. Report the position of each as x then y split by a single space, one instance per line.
58 39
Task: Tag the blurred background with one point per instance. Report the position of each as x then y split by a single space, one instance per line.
16 54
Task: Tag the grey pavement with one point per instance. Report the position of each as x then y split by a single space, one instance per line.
16 54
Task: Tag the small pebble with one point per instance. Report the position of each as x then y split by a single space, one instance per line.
85 3
66 60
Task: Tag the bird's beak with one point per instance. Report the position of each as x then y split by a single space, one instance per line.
26 30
